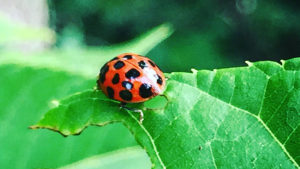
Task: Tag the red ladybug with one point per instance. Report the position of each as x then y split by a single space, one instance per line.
131 78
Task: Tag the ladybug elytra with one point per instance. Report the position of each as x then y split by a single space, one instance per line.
131 78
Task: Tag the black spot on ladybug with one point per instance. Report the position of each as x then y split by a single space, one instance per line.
127 85
159 80
151 63
127 57
125 95
142 64
116 78
110 92
119 65
103 72
115 58
132 73
145 90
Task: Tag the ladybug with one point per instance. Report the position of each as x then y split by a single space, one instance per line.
131 78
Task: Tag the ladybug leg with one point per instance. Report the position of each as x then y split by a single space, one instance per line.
123 106
141 114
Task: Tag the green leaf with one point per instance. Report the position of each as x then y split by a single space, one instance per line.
128 158
246 117
28 82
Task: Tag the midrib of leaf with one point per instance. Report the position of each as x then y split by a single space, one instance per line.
150 138
249 113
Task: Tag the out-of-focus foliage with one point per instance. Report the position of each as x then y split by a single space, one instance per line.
12 32
209 34
86 61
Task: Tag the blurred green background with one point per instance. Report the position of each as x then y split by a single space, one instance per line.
51 49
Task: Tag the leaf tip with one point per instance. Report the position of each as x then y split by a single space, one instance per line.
167 28
282 62
194 70
55 103
249 63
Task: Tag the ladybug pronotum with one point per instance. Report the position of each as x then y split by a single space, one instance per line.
131 78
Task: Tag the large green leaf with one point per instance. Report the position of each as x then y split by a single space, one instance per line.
28 81
246 117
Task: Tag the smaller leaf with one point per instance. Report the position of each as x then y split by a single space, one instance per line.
128 158
74 113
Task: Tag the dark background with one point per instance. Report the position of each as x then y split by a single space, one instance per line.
208 34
